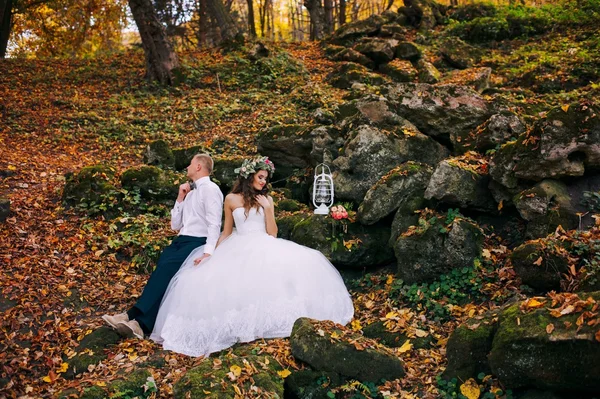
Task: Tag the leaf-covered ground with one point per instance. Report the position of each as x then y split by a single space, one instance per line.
59 273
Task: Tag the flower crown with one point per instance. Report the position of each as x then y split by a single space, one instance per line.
250 166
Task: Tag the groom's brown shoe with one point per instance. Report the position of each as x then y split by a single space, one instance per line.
114 320
130 329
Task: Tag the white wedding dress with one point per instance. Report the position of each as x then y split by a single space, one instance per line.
253 286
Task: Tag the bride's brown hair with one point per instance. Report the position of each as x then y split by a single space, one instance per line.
243 186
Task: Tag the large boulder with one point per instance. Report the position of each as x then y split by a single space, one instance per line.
446 112
90 185
298 146
458 53
349 73
545 207
351 55
370 153
477 78
353 30
423 14
497 130
183 156
431 249
395 339
399 70
212 378
223 171
427 72
379 50
540 265
408 51
393 190
151 182
469 346
159 153
304 384
333 348
461 182
357 246
565 143
549 344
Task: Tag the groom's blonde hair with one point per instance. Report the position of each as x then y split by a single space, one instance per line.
206 161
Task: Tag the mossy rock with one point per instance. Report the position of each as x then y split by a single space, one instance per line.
133 382
286 224
377 330
546 206
468 347
380 50
159 153
90 185
183 156
351 55
458 185
545 276
427 72
372 363
288 146
288 205
206 381
153 183
399 70
91 351
353 30
223 171
370 248
348 73
525 355
93 392
370 153
496 131
409 51
393 190
431 249
304 384
459 54
569 147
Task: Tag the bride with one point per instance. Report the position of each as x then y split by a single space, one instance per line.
254 285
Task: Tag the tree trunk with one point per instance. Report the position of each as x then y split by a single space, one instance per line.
342 15
202 23
317 18
229 31
251 23
328 16
161 60
5 25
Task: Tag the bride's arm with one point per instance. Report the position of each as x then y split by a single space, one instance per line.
270 218
228 224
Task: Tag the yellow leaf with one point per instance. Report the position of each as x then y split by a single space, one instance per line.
500 205
486 253
284 373
389 280
47 379
335 335
470 389
101 383
63 367
237 390
406 346
391 315
236 370
533 303
356 325
565 107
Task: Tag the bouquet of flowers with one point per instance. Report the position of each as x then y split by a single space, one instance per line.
338 212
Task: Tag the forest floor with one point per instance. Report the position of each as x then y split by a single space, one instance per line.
59 274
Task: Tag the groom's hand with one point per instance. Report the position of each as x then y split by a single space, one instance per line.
197 261
184 189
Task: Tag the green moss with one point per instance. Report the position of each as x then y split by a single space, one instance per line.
89 185
134 382
95 343
159 153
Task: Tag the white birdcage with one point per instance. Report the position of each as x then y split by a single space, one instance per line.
322 189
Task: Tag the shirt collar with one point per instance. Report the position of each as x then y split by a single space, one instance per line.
201 180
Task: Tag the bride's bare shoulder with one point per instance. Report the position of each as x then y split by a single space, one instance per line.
234 200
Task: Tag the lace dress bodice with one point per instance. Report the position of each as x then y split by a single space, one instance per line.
253 224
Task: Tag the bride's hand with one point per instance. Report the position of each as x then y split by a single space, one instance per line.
200 259
263 201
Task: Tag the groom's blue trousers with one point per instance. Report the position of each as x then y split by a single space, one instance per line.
146 308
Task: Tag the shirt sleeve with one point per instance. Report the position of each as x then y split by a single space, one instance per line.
213 209
177 216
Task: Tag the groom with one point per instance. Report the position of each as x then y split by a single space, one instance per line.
197 215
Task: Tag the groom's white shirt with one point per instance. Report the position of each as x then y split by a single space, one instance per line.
200 213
